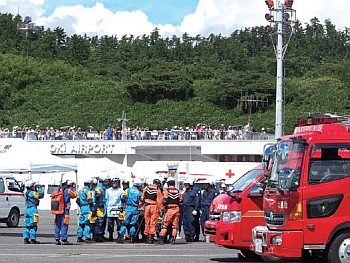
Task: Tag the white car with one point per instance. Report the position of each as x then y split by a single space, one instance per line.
12 201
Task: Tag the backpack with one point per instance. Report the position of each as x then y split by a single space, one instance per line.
57 202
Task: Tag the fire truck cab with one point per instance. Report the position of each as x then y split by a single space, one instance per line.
237 210
307 198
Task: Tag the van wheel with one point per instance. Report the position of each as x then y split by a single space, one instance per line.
13 218
272 259
338 251
251 255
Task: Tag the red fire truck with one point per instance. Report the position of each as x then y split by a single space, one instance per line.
307 198
234 212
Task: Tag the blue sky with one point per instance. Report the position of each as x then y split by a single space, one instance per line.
158 11
171 17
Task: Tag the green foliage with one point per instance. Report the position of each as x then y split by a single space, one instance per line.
160 82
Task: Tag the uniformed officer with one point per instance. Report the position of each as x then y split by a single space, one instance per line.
31 217
209 193
84 200
190 209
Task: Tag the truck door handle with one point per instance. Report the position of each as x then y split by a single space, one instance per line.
311 227
7 198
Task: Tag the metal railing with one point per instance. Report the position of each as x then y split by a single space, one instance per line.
173 135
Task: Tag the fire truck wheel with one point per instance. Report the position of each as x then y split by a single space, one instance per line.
272 259
248 254
13 218
338 251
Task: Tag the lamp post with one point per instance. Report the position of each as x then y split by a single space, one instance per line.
282 19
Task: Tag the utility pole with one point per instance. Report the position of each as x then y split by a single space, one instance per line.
27 25
282 19
250 101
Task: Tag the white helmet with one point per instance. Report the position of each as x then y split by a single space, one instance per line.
94 180
188 181
137 181
29 183
212 182
87 181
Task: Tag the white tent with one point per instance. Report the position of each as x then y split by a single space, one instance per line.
24 158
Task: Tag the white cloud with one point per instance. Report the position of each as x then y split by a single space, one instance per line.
210 16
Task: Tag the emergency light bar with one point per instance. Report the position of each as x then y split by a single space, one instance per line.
316 121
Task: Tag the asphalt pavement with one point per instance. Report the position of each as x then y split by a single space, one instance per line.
12 248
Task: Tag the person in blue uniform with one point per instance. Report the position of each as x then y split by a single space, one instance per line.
31 217
102 186
209 193
190 209
131 198
84 200
114 204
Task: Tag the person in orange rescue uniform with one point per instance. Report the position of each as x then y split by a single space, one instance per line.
152 197
172 200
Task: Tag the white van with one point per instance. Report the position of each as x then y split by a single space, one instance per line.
12 201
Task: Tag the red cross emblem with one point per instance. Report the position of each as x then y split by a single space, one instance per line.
230 173
133 176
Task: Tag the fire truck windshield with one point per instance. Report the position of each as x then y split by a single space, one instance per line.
287 163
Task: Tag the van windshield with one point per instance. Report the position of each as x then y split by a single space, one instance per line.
288 156
243 182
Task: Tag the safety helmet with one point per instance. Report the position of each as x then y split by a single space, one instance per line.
212 182
115 180
29 183
137 182
94 181
87 181
125 182
188 181
156 181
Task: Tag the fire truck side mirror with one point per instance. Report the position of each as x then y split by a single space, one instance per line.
256 191
269 150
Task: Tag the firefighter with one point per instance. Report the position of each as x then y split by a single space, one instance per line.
103 185
141 218
84 200
172 200
114 204
62 220
190 209
31 218
152 197
131 198
209 193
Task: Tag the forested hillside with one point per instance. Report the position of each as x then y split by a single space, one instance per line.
164 81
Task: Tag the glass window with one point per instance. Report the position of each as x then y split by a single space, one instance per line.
329 162
2 186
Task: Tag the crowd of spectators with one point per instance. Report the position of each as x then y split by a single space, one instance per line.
197 132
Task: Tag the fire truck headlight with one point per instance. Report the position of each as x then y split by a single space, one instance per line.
276 240
231 216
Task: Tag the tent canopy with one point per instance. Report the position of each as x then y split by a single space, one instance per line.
24 158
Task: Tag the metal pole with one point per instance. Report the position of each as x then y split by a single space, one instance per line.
279 82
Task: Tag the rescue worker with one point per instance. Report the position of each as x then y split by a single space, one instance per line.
209 193
152 197
98 214
141 218
84 200
113 200
126 184
62 220
92 215
131 198
190 209
172 200
103 185
31 217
